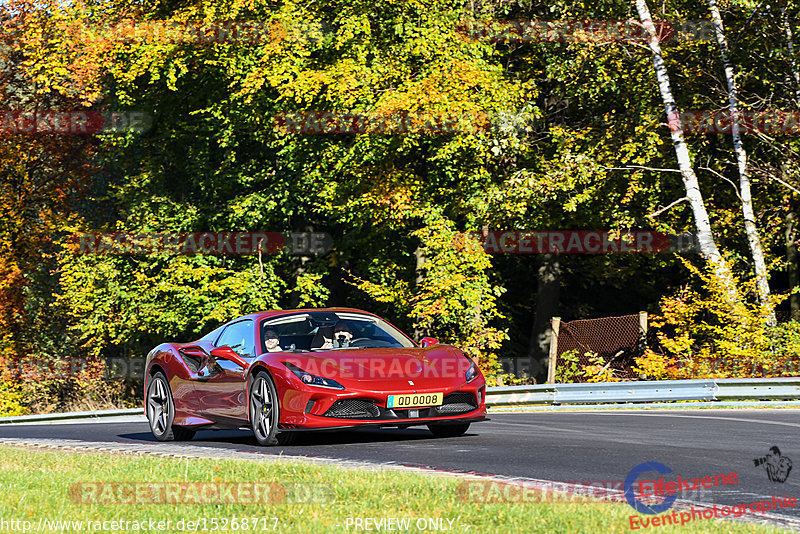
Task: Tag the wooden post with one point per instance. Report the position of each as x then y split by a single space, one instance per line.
551 364
642 332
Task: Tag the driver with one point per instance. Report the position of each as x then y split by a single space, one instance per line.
271 340
342 335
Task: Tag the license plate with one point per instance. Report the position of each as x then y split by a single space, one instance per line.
415 400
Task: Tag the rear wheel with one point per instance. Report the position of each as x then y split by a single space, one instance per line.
448 431
161 411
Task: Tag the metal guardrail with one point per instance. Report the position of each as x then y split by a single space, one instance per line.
587 393
650 391
69 415
758 388
509 395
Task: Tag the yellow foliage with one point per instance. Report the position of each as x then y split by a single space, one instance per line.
707 334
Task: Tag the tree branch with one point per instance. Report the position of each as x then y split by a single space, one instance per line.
662 210
735 188
639 167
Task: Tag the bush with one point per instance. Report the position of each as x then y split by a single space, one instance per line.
569 368
11 399
707 334
59 384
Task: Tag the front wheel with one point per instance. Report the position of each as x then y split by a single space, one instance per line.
448 431
264 409
161 411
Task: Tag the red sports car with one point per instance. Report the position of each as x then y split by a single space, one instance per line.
280 372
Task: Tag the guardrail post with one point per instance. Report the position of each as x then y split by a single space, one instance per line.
642 332
551 364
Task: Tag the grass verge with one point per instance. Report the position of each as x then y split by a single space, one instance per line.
42 485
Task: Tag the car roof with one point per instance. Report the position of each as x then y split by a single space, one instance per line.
274 313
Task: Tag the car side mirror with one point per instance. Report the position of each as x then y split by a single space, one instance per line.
227 353
428 341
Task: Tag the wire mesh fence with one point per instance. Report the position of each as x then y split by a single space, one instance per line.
611 343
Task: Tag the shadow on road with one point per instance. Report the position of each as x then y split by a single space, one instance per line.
314 439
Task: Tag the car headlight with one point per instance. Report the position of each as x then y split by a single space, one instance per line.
471 373
312 380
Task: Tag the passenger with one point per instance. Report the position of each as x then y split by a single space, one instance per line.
272 341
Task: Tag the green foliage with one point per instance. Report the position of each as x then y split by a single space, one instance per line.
705 335
576 141
311 292
598 370
121 300
11 398
785 350
568 369
456 300
453 299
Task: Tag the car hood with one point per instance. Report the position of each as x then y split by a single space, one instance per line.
421 365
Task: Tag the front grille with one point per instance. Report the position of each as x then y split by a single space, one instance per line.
457 403
353 409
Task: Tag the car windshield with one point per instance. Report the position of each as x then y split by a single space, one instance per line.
313 331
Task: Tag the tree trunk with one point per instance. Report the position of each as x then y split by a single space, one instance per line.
790 43
419 263
750 227
549 282
705 238
791 263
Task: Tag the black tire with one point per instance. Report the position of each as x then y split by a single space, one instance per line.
264 409
161 411
449 431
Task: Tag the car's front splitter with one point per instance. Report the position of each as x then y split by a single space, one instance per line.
394 423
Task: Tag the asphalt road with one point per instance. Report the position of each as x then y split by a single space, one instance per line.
558 446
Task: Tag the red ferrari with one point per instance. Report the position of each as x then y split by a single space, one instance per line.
281 372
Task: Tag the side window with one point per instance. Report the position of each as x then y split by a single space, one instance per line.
241 338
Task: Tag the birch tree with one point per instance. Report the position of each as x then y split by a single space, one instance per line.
787 28
750 226
705 238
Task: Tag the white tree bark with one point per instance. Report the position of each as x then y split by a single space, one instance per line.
790 43
708 247
750 226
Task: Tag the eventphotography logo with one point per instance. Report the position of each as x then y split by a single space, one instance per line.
777 466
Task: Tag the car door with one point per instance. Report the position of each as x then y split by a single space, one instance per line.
223 394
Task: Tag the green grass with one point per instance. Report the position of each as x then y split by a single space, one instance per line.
36 484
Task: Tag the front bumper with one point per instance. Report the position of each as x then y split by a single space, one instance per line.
312 408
